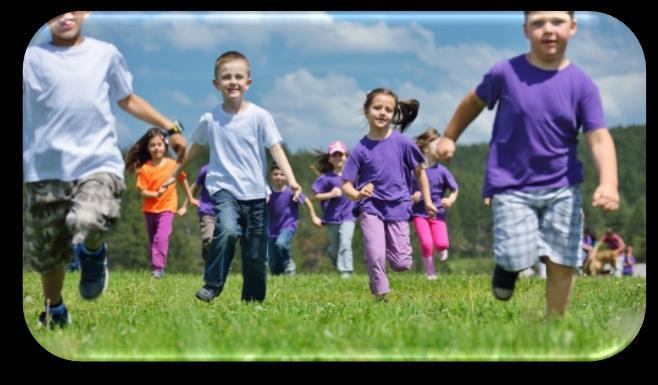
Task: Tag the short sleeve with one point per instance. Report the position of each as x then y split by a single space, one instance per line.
590 109
200 133
489 88
119 78
319 186
450 180
270 132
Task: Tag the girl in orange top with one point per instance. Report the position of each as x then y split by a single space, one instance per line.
147 158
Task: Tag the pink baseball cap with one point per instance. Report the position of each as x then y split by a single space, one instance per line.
337 146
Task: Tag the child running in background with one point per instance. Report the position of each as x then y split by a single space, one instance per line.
337 209
379 168
284 214
432 232
147 158
207 218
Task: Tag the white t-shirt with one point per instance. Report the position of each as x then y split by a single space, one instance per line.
68 127
237 150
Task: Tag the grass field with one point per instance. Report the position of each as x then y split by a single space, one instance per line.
323 317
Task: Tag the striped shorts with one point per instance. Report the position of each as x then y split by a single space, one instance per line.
532 224
61 213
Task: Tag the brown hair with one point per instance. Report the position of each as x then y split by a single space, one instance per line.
405 110
526 13
139 154
423 140
231 56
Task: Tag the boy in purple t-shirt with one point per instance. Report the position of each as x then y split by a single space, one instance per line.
207 218
379 167
284 214
337 209
533 175
432 232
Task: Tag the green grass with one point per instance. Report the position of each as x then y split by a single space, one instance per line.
322 317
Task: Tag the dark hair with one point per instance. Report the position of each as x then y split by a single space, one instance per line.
423 140
322 161
405 110
139 154
274 166
231 56
526 13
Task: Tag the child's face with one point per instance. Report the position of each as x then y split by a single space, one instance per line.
337 159
549 32
233 80
380 112
156 147
66 28
278 178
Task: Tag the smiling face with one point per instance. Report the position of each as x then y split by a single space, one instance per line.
66 28
233 80
156 147
337 159
278 178
549 32
380 112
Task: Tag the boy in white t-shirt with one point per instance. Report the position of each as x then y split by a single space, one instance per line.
237 132
73 167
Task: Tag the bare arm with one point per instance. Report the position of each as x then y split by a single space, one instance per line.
334 193
354 194
311 213
469 109
423 184
604 157
282 161
450 200
142 110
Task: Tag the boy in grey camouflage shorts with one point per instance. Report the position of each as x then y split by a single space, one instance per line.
73 167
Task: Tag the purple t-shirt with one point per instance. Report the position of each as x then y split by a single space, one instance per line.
335 210
283 211
440 180
205 201
386 164
535 134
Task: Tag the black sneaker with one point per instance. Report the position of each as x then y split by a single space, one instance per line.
93 273
208 292
54 320
503 282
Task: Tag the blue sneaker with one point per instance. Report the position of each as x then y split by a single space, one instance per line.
93 272
54 320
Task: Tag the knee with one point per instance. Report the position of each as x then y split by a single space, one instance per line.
401 265
230 232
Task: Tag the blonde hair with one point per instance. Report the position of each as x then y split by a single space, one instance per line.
229 56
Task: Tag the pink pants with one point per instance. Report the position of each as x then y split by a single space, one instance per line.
385 240
158 227
432 234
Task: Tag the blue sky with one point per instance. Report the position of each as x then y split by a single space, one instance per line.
312 70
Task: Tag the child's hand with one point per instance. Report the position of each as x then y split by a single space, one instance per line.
182 211
195 202
297 190
431 209
487 201
445 149
317 222
416 197
446 203
336 192
161 190
606 197
367 191
168 182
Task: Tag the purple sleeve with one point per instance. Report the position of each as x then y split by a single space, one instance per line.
412 154
351 167
590 110
489 88
450 180
201 178
319 185
302 198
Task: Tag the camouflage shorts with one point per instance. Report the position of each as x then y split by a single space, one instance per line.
60 214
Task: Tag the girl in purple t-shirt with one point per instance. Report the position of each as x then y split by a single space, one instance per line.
379 167
432 232
283 216
337 209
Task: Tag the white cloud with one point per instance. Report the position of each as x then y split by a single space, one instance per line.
624 98
179 97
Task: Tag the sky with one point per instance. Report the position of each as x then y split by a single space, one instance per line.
312 70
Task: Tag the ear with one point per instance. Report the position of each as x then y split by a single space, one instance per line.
215 84
574 28
249 81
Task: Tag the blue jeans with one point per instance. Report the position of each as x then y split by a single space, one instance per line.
247 221
279 253
340 245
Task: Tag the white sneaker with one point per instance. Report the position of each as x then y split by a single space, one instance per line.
432 277
443 255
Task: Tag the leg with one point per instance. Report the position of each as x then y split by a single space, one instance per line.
226 233
254 250
374 239
344 261
422 226
160 246
560 280
398 245
273 257
151 227
440 237
284 242
332 250
207 225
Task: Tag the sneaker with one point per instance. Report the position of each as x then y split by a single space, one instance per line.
54 320
381 297
502 283
432 277
443 255
157 273
208 292
93 272
346 275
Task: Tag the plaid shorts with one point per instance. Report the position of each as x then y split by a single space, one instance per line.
61 213
533 224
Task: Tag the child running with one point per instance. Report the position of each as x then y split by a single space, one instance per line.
337 209
432 232
147 158
378 167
